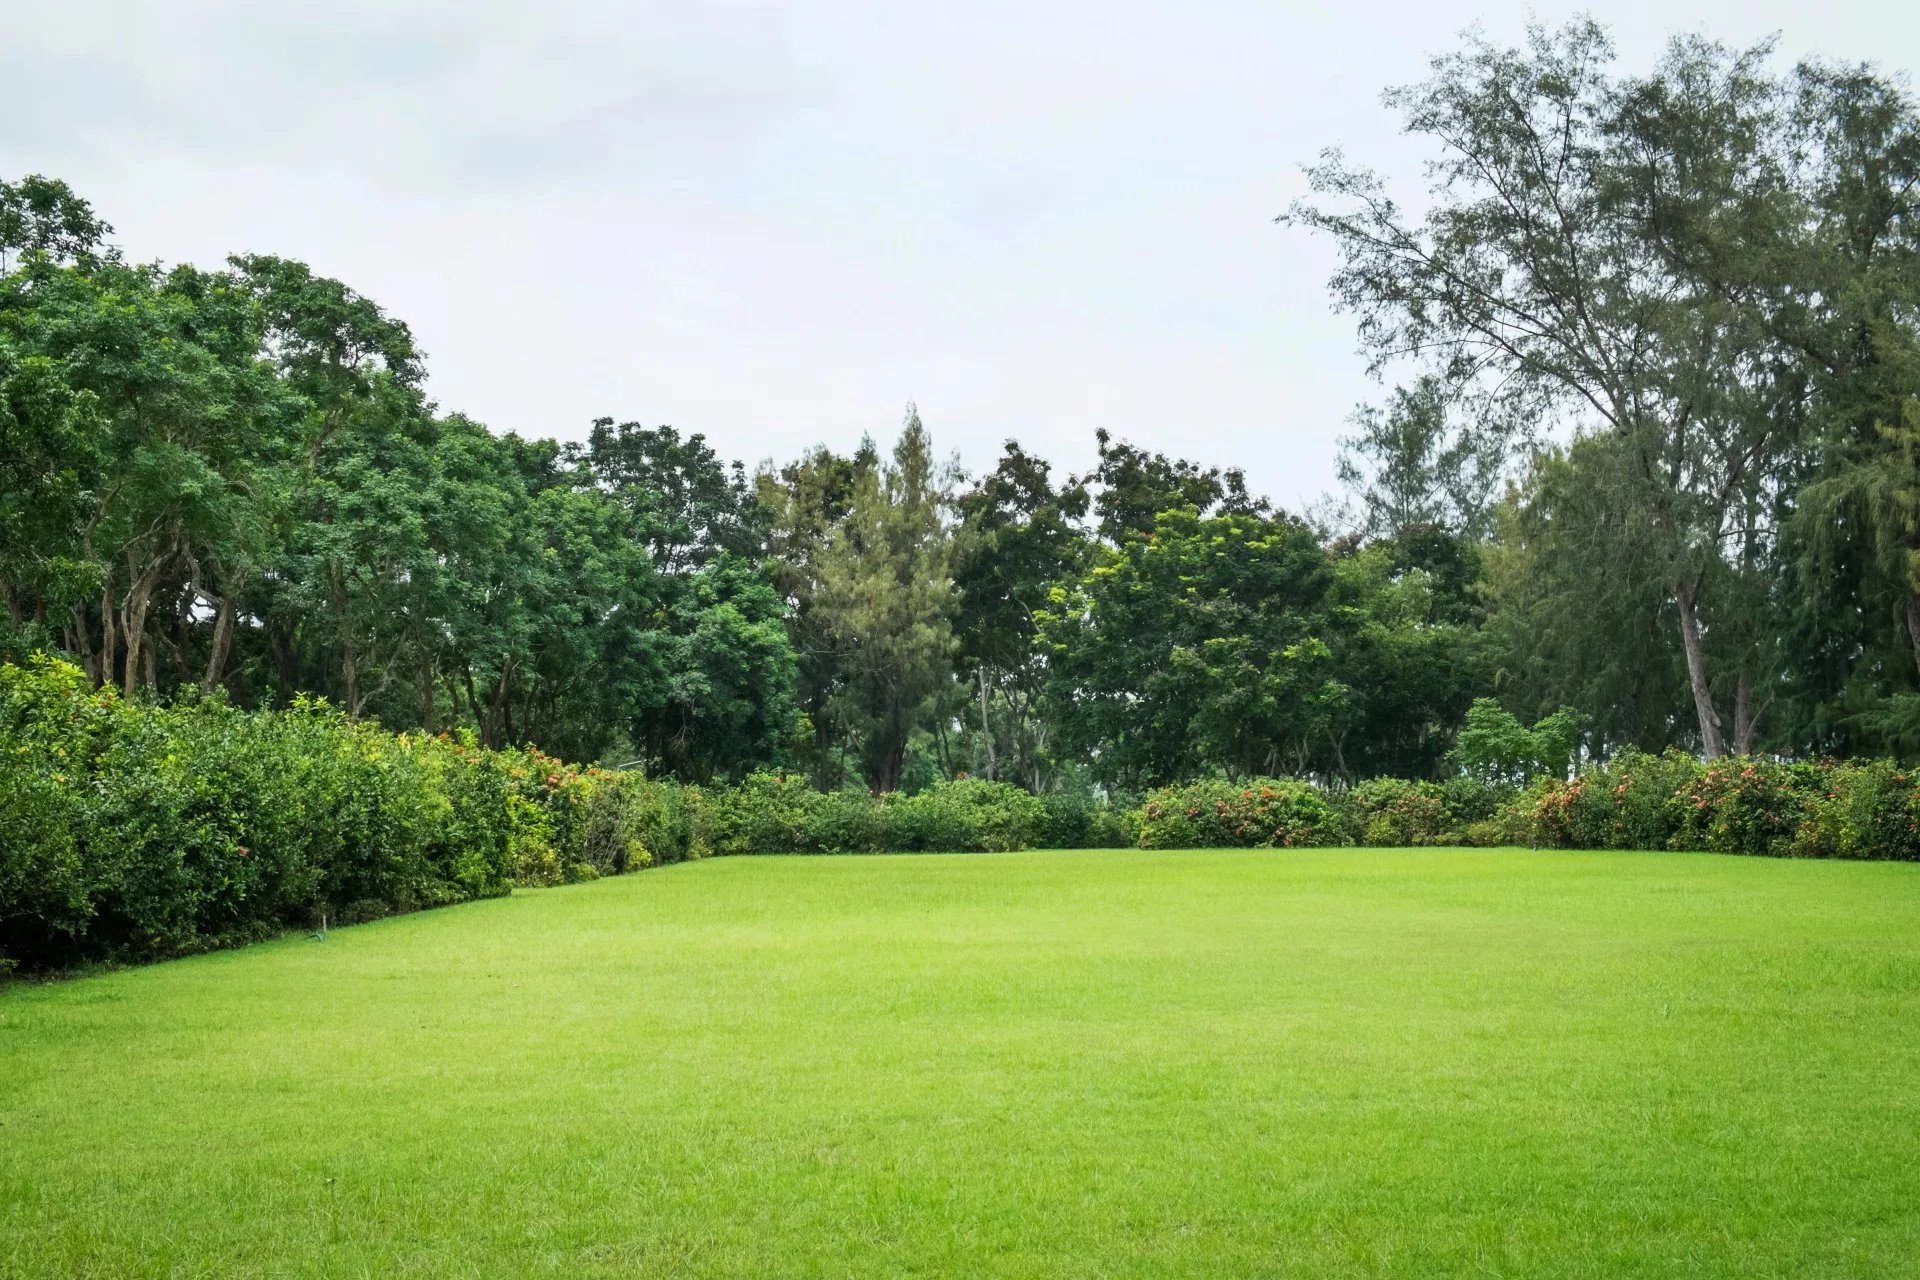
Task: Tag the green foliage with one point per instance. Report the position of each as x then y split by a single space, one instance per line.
1074 819
1393 812
886 598
1854 809
1262 813
634 822
1626 803
233 480
1653 459
1867 809
1494 748
765 813
1409 654
136 830
1739 806
1203 642
1411 468
970 815
774 813
1020 536
144 831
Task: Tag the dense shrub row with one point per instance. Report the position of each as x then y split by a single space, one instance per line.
137 831
141 831
770 813
129 830
1829 809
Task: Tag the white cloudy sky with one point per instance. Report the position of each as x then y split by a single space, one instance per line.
777 223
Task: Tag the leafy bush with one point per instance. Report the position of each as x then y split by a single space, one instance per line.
1867 809
1493 747
50 725
1262 812
136 831
773 813
1077 820
845 822
1737 806
1389 811
148 831
965 816
1626 803
633 822
765 813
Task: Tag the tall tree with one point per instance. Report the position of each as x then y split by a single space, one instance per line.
1854 529
44 218
1019 537
807 501
1601 247
1131 486
886 595
1414 466
1205 643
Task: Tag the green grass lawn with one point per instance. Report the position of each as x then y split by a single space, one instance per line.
1309 1064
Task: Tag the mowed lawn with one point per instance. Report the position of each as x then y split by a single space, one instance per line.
1312 1064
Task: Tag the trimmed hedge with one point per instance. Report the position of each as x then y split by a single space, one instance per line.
1261 813
141 831
130 831
135 831
778 813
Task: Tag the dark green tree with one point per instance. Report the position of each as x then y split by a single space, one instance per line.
1019 537
1205 643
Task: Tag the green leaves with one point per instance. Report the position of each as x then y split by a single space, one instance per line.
1200 643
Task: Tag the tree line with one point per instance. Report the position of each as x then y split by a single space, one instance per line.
1649 468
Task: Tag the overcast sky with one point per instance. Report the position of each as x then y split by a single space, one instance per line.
776 224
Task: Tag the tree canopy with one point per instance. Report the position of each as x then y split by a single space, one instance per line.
1644 472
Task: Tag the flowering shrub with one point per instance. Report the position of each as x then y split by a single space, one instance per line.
1261 812
1626 803
1863 809
1737 806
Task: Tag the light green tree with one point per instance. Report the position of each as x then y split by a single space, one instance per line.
886 596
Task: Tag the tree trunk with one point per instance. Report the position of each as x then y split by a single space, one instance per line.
1746 720
142 583
1712 745
888 762
183 640
491 735
82 644
285 661
473 697
1913 624
107 663
222 642
986 726
133 626
350 674
429 708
